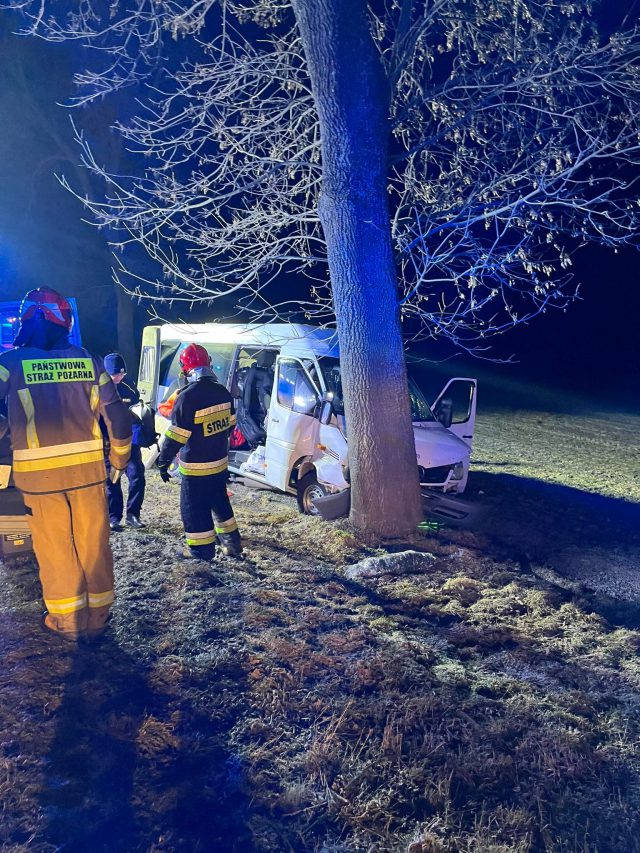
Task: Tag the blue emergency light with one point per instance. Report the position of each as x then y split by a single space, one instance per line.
10 323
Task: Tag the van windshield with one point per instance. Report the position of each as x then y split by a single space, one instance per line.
330 368
221 359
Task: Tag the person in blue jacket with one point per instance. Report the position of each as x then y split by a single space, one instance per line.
116 367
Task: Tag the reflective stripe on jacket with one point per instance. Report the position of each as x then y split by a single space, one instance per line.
55 399
202 417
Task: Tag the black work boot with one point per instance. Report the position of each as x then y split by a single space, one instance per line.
188 555
230 544
134 522
69 637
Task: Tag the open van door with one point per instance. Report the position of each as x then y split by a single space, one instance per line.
149 372
292 425
455 408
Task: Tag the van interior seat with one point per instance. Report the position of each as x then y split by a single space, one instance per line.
237 383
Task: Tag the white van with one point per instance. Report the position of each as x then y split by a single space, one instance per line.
305 450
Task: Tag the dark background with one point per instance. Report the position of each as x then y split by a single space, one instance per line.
589 353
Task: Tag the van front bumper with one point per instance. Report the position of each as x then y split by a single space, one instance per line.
451 509
333 506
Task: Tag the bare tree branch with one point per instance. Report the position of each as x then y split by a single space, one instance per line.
515 139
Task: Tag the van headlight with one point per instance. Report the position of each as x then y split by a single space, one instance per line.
458 471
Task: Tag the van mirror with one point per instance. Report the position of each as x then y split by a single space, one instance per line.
444 412
325 408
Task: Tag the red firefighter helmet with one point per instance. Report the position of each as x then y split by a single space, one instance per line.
194 356
49 305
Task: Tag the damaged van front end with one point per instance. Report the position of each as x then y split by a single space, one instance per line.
443 435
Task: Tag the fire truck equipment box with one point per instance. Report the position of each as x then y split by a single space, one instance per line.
15 536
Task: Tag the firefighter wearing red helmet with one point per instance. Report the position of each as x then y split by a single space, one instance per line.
56 394
201 420
192 357
45 304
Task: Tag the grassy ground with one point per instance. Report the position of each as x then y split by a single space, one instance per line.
479 696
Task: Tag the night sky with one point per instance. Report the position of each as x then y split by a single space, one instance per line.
43 240
590 350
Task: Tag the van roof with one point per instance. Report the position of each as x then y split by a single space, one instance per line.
290 338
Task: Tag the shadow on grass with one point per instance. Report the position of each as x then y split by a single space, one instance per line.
534 513
128 768
98 757
88 786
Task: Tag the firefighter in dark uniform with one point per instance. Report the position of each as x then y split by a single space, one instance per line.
56 394
116 367
202 418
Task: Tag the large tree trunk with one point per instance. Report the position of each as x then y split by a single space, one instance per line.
352 98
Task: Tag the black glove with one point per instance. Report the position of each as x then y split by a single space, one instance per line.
164 474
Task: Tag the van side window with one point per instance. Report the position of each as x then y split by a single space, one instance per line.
295 389
147 364
167 353
462 394
221 360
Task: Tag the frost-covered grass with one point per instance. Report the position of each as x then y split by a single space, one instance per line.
486 701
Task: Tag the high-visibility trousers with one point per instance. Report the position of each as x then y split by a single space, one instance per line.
207 514
70 533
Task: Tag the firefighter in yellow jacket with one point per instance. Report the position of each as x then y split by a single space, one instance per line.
56 394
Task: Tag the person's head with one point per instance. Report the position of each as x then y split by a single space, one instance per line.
115 366
194 357
40 308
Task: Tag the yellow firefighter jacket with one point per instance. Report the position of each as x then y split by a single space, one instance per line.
55 399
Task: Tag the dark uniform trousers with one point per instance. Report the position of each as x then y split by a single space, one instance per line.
136 475
207 514
200 423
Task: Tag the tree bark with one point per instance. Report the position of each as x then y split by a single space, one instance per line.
351 95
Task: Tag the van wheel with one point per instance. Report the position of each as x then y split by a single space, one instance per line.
309 489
